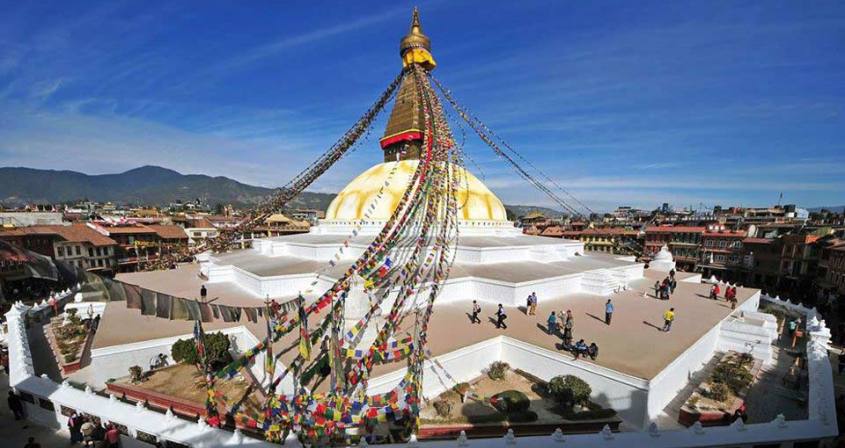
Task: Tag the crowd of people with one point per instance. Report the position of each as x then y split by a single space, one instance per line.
90 432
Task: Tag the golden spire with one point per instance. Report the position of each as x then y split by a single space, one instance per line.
415 47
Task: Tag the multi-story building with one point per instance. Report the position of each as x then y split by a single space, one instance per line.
722 254
761 262
833 281
683 241
78 245
139 243
612 240
799 262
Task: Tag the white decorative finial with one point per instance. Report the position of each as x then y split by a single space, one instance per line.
510 439
557 436
237 437
363 443
462 438
112 398
169 414
780 421
653 430
412 441
697 428
739 425
606 432
139 406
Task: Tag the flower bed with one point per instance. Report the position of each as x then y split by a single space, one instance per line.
716 400
518 401
68 340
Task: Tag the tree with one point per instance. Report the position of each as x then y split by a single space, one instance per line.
570 390
216 349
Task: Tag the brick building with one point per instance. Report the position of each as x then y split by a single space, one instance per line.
683 241
722 253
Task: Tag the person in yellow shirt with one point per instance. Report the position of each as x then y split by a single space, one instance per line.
668 317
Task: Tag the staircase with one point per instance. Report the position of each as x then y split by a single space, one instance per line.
602 282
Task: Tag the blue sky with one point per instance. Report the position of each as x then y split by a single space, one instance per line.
623 103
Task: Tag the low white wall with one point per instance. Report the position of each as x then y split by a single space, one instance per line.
114 362
626 394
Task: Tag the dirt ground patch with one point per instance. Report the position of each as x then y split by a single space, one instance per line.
481 411
185 381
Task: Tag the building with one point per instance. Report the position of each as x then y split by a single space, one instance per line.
79 245
799 262
761 262
722 253
683 241
138 243
29 218
833 261
610 240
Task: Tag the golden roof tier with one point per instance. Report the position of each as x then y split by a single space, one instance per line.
475 201
403 134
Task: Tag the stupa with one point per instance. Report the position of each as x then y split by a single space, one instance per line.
494 261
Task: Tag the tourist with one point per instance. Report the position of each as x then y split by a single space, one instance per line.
568 326
533 308
580 348
87 430
54 304
73 425
593 351
714 292
551 323
15 405
730 296
476 310
203 293
113 436
792 326
500 317
31 443
528 301
657 289
668 317
608 311
672 283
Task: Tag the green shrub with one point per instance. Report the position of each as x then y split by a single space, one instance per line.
570 390
719 392
497 370
745 359
443 408
510 402
734 376
216 348
136 374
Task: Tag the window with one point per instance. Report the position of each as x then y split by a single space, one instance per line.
90 252
723 243
78 250
61 251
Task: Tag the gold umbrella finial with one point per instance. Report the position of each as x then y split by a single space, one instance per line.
415 47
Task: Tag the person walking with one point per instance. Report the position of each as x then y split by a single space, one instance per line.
73 424
714 292
568 325
476 310
500 318
528 305
668 318
15 405
203 293
657 289
552 323
113 437
532 310
608 311
672 284
54 304
87 430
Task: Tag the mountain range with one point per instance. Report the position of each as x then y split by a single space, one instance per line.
154 185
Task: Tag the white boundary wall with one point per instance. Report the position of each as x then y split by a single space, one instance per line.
462 364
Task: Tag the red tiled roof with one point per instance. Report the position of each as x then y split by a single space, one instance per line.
74 233
675 229
610 231
130 229
169 232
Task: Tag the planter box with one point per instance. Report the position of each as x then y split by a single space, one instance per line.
67 368
452 431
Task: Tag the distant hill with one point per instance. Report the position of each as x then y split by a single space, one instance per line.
522 210
832 208
144 185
